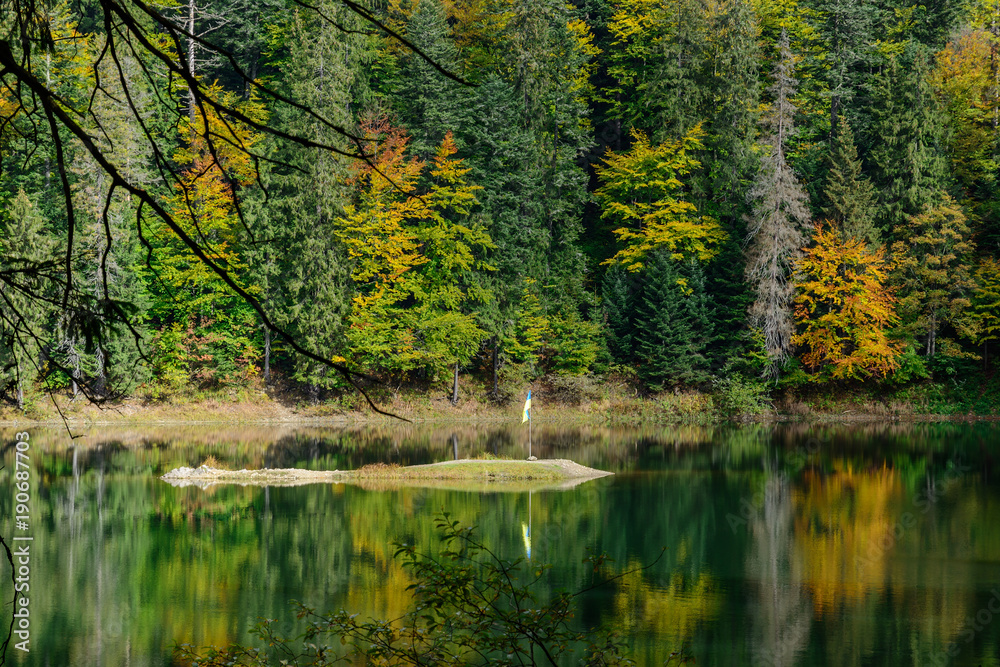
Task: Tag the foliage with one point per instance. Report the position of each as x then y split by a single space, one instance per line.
640 193
415 255
618 300
845 308
670 332
908 137
986 300
28 255
469 607
850 196
575 343
297 191
739 396
932 271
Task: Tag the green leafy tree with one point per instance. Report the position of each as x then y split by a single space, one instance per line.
641 191
191 297
933 271
657 59
417 255
965 78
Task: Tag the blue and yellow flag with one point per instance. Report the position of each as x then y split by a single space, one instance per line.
526 535
527 408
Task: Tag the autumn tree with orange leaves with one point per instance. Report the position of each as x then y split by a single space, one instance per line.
844 309
416 248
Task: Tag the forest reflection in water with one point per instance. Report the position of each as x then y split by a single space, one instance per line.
785 545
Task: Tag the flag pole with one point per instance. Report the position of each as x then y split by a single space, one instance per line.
526 417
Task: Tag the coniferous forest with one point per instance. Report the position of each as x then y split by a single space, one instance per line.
203 194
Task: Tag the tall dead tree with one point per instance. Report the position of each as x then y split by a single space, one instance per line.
776 228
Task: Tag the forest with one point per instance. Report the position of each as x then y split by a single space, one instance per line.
203 194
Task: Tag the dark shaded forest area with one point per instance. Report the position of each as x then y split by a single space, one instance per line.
226 193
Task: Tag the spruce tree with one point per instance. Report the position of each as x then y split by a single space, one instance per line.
28 257
910 168
302 269
776 228
619 304
431 104
850 197
670 327
847 29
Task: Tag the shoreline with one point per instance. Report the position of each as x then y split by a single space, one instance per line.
613 407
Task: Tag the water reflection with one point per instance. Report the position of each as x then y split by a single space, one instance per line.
779 605
877 544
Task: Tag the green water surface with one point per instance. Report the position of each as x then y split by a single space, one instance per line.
785 545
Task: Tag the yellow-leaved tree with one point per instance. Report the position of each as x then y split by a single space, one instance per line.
417 249
844 309
642 192
204 325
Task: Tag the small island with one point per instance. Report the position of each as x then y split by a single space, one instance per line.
497 474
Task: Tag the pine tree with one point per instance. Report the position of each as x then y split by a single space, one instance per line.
299 264
849 195
28 254
910 170
431 104
618 295
666 328
780 216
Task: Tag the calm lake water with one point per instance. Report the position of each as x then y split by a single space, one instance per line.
788 545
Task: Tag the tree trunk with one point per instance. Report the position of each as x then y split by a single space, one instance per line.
454 387
496 365
101 372
932 335
267 356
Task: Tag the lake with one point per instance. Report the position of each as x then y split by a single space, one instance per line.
871 544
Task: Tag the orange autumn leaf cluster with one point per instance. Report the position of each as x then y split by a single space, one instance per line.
843 309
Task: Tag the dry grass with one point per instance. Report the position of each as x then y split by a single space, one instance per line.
212 462
485 469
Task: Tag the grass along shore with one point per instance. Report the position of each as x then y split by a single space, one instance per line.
594 400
